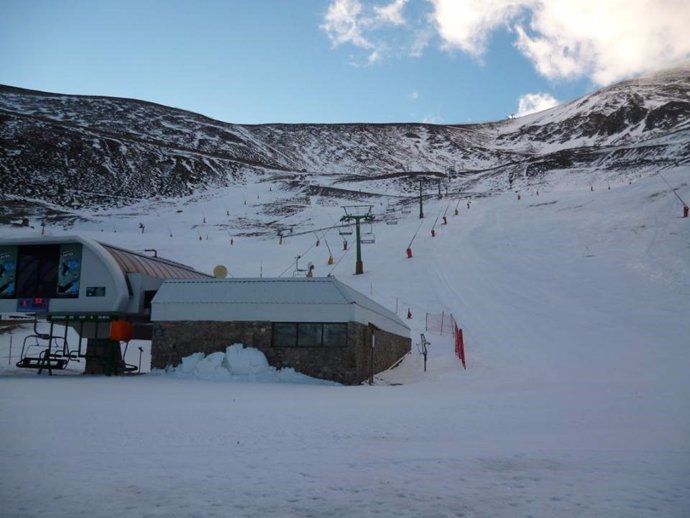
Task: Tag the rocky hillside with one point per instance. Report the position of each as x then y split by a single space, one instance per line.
83 151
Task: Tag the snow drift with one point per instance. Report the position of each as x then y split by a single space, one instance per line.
237 363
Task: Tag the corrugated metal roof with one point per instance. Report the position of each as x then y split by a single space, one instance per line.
317 299
132 262
256 291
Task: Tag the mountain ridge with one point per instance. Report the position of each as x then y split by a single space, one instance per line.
87 151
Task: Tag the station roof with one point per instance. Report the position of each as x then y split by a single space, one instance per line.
320 299
128 261
133 262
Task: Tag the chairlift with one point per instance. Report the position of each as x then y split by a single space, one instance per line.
303 272
368 238
345 231
43 351
39 356
51 352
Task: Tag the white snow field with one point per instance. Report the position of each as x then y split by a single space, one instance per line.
576 402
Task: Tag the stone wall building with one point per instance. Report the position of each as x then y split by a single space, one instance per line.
320 326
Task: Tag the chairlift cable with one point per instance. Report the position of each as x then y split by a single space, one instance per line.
338 262
415 234
672 189
327 245
300 255
436 220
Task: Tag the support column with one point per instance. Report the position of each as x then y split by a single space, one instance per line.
103 356
359 265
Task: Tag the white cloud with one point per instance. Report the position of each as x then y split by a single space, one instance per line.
467 24
375 29
342 23
605 40
391 13
421 39
532 103
414 95
375 56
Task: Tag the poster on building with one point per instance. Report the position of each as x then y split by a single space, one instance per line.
8 271
69 270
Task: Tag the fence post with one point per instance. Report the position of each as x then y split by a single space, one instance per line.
461 347
442 315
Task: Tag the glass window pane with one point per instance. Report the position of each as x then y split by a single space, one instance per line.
37 268
335 335
309 335
284 335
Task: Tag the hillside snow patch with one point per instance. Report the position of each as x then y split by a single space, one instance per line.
237 363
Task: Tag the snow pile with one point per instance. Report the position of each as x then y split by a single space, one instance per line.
237 363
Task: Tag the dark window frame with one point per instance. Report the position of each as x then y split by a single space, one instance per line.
322 333
37 272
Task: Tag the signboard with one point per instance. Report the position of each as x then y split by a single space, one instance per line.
33 304
69 270
83 318
8 271
95 291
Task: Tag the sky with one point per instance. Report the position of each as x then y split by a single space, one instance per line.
328 61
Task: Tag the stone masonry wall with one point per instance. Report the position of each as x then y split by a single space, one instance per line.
389 348
172 341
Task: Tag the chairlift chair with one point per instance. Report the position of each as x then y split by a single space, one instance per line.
49 356
345 231
368 238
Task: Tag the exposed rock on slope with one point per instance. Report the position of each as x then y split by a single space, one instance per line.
81 151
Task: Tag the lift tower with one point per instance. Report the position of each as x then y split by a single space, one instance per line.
358 213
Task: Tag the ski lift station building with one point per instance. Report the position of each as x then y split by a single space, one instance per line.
86 285
318 326
74 275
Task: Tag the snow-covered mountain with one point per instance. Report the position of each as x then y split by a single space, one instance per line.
83 151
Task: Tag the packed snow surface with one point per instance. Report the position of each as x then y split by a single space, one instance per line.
575 305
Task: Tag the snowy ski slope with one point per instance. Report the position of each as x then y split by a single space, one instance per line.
576 402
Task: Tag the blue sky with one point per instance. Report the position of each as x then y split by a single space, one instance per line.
262 61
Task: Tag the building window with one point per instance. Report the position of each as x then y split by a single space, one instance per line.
284 335
335 335
309 334
40 271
